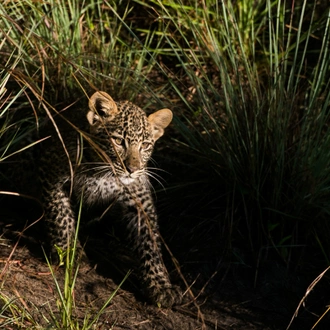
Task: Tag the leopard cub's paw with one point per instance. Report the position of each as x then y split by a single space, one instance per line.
166 297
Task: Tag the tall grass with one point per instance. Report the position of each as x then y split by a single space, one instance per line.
255 81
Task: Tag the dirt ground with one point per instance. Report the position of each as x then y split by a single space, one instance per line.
232 297
26 279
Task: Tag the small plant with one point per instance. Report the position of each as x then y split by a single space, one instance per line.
18 312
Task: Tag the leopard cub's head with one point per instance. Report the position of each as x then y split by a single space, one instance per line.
125 136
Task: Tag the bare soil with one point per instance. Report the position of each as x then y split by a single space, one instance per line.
228 294
224 302
29 283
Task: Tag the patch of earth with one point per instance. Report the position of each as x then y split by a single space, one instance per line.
29 284
227 300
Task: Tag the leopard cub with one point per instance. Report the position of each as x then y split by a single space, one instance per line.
101 160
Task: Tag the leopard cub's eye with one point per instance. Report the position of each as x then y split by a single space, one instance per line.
146 145
118 141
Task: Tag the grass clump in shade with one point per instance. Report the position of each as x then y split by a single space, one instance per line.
254 78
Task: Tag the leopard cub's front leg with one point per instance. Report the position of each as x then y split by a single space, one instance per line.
58 216
144 237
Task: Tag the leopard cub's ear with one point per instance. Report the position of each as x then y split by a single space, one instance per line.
159 120
101 106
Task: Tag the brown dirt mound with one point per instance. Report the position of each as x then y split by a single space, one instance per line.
28 282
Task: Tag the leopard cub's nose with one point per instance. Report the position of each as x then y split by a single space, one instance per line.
131 168
133 163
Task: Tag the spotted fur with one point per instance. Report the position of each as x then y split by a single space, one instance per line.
105 163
